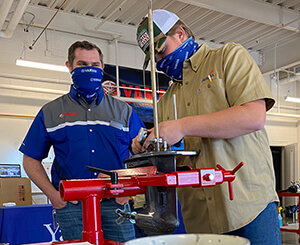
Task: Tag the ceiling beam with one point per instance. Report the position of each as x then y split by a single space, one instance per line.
252 10
286 54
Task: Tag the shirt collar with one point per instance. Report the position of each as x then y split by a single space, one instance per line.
198 58
74 94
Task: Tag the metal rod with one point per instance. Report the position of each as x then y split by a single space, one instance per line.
117 66
153 77
175 106
18 116
34 42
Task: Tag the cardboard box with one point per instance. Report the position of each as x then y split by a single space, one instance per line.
17 190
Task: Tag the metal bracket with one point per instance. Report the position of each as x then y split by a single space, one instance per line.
125 214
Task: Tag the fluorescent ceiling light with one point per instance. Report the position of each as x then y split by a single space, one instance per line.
292 99
41 65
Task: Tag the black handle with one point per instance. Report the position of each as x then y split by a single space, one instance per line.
113 175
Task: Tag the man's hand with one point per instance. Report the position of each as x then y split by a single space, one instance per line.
136 146
169 131
57 202
122 200
38 175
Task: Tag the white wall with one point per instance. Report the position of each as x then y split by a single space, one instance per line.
16 103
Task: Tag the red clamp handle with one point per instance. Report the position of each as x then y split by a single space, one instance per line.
230 176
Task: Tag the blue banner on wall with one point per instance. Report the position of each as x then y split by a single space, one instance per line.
27 224
132 85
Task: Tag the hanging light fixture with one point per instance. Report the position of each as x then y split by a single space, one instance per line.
40 65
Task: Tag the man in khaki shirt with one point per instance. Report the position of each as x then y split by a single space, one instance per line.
222 99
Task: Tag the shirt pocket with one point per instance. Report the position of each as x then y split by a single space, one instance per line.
121 133
212 96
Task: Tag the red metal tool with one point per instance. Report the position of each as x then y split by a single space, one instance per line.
132 182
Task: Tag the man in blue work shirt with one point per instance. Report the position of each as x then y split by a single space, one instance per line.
86 128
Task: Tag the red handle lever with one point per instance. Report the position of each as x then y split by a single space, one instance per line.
241 164
230 176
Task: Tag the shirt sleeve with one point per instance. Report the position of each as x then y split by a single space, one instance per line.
244 81
37 142
135 123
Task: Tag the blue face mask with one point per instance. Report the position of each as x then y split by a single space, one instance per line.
172 64
87 80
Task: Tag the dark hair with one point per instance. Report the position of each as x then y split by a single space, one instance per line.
84 45
187 30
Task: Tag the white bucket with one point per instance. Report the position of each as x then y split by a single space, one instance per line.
190 239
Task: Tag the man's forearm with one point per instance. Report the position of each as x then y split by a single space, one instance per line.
38 175
232 122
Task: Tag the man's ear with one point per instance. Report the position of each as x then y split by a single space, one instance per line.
69 66
181 34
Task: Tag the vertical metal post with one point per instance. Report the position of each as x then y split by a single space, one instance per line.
175 106
91 215
153 77
117 66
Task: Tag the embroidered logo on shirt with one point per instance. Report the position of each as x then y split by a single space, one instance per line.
68 114
199 90
116 125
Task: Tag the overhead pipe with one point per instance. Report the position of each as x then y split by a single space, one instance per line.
282 68
288 80
15 19
34 42
283 115
103 33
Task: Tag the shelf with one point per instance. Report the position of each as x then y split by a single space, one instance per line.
290 227
294 227
288 194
